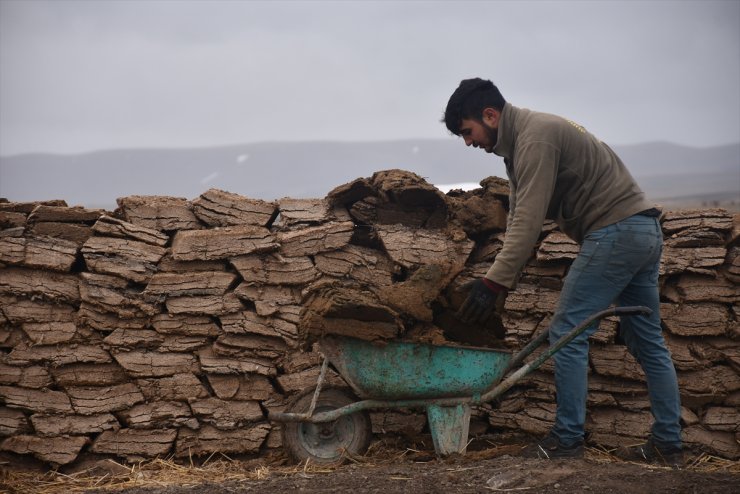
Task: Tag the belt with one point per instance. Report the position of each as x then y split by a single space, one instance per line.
652 212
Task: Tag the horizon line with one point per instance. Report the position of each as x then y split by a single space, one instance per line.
317 141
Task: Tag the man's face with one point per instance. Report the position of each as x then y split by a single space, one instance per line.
478 134
481 133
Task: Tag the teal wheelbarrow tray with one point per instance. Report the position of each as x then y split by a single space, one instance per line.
446 381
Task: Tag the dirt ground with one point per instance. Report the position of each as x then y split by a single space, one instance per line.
504 474
389 468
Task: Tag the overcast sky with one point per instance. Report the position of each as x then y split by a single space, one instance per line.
78 76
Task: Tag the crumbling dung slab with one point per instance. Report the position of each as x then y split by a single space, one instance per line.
369 266
60 354
216 364
557 247
159 415
73 425
536 419
316 239
226 415
296 382
90 374
107 226
56 450
222 243
698 288
722 419
51 253
170 265
112 294
411 248
208 440
95 317
349 193
274 295
50 333
615 361
393 197
135 442
694 237
12 219
34 376
478 212
245 387
182 343
416 295
179 387
718 443
146 363
712 219
129 259
308 211
33 400
73 232
161 213
615 427
695 319
249 345
55 287
184 324
532 299
13 422
92 400
684 357
249 322
13 248
28 207
275 269
350 310
701 260
75 214
220 208
717 381
186 284
133 338
208 305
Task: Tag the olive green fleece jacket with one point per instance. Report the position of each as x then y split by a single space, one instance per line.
559 171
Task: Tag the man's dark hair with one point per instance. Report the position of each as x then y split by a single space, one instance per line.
469 100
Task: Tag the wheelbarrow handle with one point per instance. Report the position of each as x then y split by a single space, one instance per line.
510 381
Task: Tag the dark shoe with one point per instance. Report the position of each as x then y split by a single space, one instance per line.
551 448
652 452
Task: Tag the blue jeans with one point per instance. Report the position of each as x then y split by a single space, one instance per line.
617 264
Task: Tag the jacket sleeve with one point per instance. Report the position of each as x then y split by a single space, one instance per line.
535 168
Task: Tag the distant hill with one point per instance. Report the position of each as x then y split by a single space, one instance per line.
311 169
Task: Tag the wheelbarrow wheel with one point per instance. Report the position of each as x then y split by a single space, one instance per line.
328 443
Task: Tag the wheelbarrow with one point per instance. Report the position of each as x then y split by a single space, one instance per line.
327 427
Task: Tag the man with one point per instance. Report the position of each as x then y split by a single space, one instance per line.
559 171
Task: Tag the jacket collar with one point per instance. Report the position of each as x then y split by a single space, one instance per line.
506 132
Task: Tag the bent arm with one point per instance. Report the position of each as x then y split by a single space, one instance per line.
536 169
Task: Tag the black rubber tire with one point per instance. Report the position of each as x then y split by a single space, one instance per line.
329 443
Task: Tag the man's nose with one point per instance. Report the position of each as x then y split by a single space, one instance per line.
468 140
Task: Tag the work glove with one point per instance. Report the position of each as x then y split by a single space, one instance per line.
486 297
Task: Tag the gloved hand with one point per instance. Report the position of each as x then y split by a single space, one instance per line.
485 298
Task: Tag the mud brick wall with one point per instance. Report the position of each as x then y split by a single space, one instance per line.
171 326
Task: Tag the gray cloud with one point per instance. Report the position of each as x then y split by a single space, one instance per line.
77 76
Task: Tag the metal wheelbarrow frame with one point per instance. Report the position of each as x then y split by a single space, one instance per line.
444 380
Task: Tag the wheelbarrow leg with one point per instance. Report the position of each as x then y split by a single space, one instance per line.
449 426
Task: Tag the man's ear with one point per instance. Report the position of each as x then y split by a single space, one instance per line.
491 117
